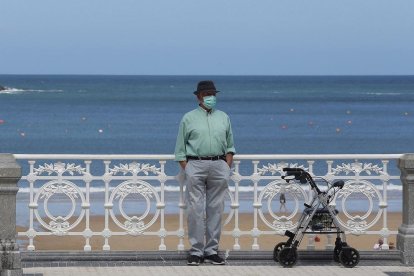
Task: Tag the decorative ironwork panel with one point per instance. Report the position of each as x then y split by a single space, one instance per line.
59 225
154 186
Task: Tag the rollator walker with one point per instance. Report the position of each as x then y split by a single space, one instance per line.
318 217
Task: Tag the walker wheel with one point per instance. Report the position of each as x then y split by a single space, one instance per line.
349 257
337 251
288 256
277 249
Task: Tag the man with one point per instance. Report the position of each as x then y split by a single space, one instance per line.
205 150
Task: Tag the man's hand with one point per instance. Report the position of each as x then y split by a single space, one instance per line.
183 164
229 159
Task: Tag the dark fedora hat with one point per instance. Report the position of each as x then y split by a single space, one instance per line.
205 86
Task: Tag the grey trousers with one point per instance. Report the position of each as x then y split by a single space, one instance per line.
207 180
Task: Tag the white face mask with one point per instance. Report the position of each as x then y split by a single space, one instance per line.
210 101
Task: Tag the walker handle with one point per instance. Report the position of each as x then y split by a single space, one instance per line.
302 176
293 170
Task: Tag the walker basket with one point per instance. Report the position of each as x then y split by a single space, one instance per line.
321 222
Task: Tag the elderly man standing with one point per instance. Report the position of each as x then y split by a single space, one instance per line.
205 150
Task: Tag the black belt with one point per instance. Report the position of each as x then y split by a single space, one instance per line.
212 158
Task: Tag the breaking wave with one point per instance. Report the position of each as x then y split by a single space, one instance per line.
11 90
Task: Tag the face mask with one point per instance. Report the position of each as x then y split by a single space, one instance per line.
209 101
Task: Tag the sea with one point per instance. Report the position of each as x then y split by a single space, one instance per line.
269 114
114 114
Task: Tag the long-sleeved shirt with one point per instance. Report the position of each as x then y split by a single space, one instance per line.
203 133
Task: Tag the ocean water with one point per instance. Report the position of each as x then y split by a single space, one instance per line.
269 114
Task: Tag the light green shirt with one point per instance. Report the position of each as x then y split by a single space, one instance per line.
203 133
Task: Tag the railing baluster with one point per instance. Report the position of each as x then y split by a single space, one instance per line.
330 237
32 232
106 233
182 206
311 237
236 230
162 227
87 233
256 205
385 245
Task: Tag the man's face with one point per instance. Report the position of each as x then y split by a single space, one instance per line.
203 94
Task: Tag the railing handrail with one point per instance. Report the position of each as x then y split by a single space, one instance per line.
236 157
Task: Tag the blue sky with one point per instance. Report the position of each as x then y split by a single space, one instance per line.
215 37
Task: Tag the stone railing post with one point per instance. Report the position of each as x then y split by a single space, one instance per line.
405 238
10 173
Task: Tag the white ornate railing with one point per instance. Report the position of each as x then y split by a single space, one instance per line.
255 188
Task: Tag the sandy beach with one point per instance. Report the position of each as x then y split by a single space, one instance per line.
266 242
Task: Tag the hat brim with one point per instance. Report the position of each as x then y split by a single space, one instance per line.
196 92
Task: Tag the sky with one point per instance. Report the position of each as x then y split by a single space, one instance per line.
215 37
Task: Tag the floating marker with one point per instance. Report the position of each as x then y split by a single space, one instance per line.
405 113
100 130
348 112
349 122
292 109
22 134
338 129
284 127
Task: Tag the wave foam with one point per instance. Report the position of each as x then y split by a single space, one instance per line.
11 90
383 94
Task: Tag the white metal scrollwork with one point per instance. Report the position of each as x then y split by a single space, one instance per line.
254 193
232 206
135 168
277 168
59 225
134 225
357 168
59 168
274 190
358 224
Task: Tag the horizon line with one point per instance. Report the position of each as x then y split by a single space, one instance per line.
219 75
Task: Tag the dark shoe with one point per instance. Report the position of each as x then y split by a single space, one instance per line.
214 259
193 260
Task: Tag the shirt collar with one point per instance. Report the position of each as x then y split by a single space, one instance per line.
205 111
